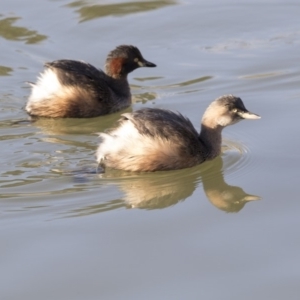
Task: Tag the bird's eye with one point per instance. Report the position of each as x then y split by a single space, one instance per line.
136 60
234 110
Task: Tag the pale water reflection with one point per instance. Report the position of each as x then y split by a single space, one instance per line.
5 71
9 31
89 10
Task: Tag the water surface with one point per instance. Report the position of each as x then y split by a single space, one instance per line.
226 229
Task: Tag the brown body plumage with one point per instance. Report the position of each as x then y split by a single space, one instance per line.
75 89
155 139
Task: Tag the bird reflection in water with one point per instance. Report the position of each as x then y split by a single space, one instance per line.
226 197
154 191
163 189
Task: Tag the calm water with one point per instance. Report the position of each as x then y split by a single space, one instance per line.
227 229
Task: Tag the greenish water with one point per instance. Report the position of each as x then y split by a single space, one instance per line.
227 229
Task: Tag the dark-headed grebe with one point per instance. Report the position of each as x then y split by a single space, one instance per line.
154 139
75 89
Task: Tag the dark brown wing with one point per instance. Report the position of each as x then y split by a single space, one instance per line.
83 75
167 124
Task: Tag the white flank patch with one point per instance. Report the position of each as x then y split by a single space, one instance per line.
47 85
117 140
125 148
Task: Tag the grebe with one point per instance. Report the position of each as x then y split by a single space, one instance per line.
75 89
152 139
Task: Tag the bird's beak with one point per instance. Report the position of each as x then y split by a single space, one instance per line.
146 63
248 115
251 198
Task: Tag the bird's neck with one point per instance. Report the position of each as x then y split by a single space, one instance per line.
114 68
211 138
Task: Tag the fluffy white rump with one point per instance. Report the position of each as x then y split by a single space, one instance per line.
47 85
